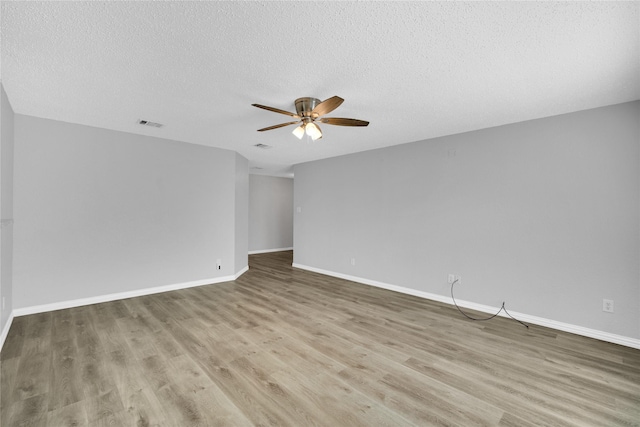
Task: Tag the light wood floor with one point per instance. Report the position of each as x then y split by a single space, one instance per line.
282 346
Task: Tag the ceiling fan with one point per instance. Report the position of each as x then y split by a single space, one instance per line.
308 111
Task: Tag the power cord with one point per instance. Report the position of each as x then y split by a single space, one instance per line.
487 318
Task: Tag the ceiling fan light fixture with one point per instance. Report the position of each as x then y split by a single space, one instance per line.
308 110
299 131
313 131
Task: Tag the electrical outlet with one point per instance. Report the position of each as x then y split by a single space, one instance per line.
218 264
353 261
607 305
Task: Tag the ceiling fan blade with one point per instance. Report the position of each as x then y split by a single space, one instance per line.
278 126
276 110
326 106
343 122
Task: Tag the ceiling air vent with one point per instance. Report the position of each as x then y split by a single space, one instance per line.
263 146
148 123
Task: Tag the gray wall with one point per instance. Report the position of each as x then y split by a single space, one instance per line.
542 214
241 214
104 212
6 207
270 213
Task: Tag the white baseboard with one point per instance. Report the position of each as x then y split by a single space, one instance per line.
526 318
264 251
240 273
5 330
123 295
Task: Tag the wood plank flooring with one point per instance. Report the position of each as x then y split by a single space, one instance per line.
286 347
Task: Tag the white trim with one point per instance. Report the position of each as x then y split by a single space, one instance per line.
5 330
241 272
264 251
123 295
561 326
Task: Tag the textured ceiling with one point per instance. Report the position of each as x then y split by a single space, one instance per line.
415 70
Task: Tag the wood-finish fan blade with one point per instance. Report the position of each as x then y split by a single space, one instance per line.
278 126
326 106
276 110
343 122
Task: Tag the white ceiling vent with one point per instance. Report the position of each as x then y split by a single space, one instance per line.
263 146
148 123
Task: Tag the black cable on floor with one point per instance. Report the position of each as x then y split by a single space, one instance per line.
487 318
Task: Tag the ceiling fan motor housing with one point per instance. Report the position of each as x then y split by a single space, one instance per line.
305 105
